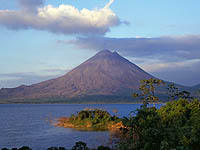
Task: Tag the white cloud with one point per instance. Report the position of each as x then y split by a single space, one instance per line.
65 19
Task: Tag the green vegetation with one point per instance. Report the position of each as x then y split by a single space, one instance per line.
147 91
22 148
78 146
90 119
175 126
174 94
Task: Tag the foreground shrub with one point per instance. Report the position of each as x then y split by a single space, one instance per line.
22 148
141 131
55 148
174 126
181 120
80 146
103 148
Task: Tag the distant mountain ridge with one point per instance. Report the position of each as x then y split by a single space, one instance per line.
196 86
107 75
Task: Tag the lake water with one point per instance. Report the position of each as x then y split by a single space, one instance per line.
28 125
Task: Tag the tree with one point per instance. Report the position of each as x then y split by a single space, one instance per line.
182 123
25 148
147 90
80 146
103 148
185 95
55 148
142 131
174 94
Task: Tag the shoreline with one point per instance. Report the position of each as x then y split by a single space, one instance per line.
90 120
65 123
80 103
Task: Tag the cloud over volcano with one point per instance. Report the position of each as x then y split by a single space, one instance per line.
64 19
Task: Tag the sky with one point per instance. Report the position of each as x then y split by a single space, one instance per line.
44 39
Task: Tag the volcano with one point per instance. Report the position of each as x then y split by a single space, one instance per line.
107 74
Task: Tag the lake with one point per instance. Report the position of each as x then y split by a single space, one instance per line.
28 125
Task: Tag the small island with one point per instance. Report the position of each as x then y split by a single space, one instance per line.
91 120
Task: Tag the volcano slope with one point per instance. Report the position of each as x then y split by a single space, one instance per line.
106 77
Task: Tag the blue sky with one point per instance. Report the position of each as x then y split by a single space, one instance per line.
43 39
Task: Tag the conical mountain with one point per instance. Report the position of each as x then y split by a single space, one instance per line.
106 73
